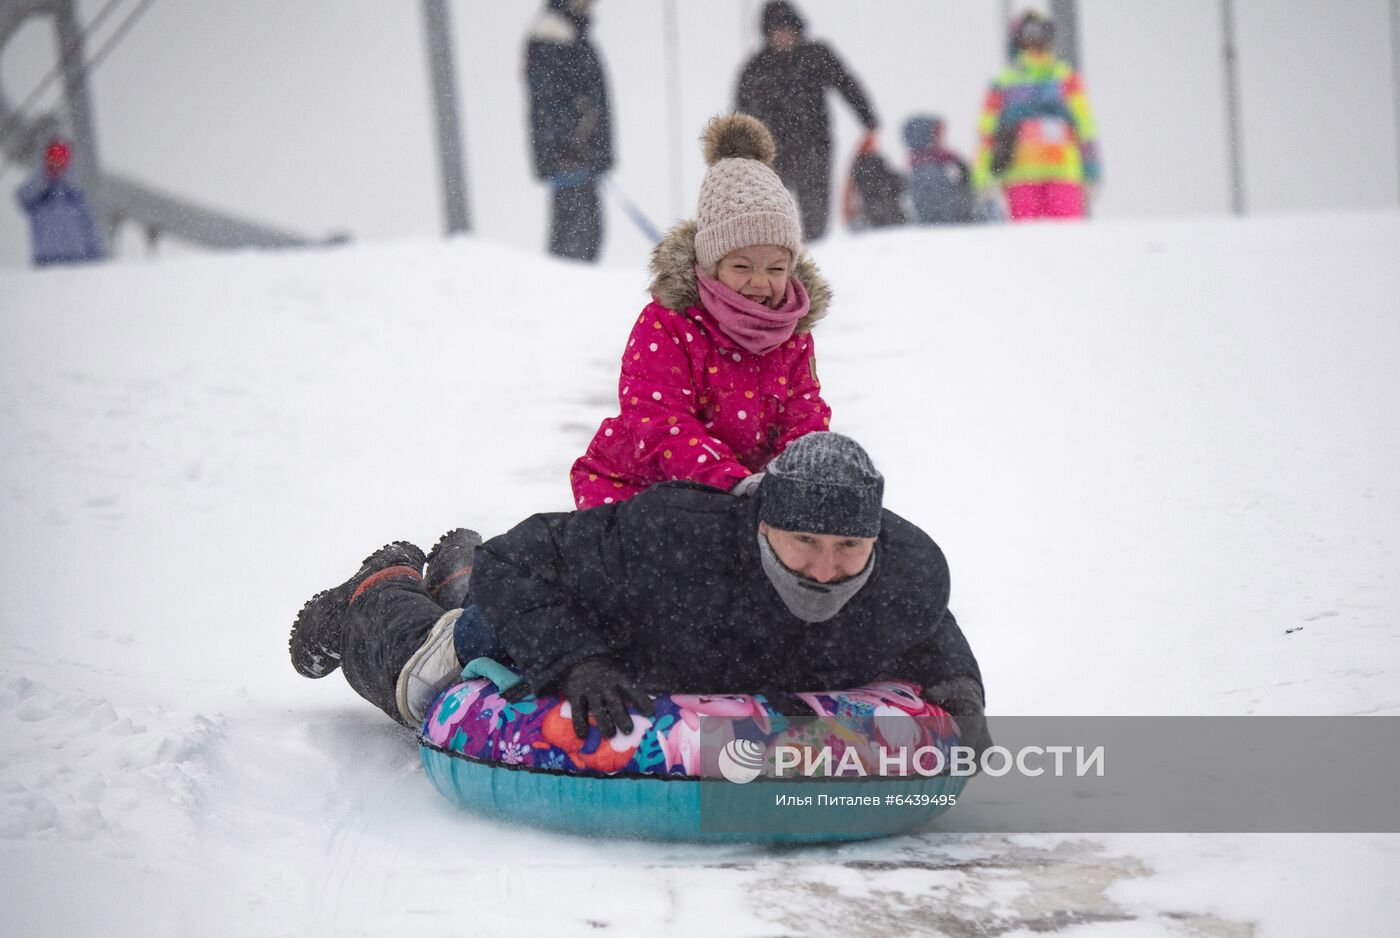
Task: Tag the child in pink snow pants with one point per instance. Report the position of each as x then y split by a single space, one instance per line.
1045 200
719 374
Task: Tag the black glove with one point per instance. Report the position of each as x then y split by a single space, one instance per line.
962 698
972 731
598 686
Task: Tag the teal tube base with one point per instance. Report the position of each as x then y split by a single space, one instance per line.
670 809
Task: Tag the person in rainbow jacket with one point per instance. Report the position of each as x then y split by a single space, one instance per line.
1038 141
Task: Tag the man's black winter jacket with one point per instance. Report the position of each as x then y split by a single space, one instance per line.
670 583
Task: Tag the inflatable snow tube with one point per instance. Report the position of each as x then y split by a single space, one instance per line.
697 768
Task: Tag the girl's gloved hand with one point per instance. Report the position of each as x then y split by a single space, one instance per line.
748 485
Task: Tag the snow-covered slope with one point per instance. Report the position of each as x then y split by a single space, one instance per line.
1162 459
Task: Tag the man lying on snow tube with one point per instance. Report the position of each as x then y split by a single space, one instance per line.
674 775
807 583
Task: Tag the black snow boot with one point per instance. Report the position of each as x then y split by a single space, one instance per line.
318 634
450 567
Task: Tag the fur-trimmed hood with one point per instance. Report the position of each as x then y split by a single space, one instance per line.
673 276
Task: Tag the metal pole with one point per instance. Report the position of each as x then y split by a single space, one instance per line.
1395 72
1234 136
75 92
673 102
454 180
1066 20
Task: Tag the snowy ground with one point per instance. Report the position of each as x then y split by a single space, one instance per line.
1147 479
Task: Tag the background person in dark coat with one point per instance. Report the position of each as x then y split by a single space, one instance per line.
570 125
784 86
807 584
63 226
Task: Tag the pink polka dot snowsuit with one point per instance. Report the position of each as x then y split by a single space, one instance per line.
694 404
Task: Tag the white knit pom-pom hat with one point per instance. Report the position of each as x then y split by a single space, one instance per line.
742 201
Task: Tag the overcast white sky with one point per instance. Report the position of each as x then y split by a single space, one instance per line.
315 115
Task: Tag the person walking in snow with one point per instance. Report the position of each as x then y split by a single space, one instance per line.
806 582
1038 141
719 372
784 85
940 182
63 226
570 125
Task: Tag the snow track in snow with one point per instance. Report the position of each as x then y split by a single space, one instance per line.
73 767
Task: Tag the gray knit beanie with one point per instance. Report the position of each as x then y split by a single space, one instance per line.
823 483
742 201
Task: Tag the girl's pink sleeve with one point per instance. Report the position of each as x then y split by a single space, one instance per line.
658 400
805 411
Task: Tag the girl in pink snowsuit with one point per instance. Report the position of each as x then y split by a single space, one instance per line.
719 374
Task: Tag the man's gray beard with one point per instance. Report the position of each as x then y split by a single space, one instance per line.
807 599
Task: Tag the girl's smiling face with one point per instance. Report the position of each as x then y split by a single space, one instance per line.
759 273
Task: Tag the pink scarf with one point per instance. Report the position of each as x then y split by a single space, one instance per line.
755 327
